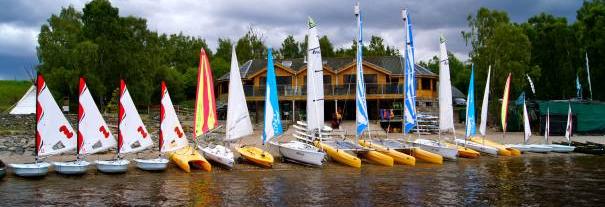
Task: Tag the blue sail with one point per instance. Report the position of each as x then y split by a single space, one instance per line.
272 122
471 128
410 80
360 95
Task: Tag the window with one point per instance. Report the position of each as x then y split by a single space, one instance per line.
284 80
327 79
434 85
370 78
349 79
394 80
262 80
425 83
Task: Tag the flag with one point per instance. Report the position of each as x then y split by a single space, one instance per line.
531 84
272 123
470 106
578 87
521 99
588 73
361 117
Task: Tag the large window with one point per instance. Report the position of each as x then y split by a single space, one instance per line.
425 83
370 78
349 79
284 80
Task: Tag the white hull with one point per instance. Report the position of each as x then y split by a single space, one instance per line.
30 169
301 152
219 154
437 148
112 166
77 167
157 164
561 148
530 148
520 147
478 147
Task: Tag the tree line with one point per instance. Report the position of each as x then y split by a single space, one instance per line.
104 47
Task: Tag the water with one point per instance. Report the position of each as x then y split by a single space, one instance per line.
552 180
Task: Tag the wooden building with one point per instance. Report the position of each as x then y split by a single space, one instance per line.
384 80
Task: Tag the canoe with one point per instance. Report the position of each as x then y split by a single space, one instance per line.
502 150
187 158
379 158
339 155
256 155
398 157
424 155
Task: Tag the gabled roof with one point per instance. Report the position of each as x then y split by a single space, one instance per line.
392 64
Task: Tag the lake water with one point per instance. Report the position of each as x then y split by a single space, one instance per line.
551 180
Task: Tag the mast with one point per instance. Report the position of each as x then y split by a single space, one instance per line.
80 137
120 117
361 117
410 82
39 84
162 116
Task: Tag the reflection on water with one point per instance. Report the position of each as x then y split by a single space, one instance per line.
530 180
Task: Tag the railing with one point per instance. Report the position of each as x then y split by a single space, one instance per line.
329 89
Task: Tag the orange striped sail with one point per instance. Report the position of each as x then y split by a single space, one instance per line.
503 113
205 104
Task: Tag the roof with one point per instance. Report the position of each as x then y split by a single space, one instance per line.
456 93
393 64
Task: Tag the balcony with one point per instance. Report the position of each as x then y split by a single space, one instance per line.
330 90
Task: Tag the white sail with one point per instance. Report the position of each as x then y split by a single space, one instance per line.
54 133
483 125
547 127
133 134
27 103
172 136
568 128
238 118
446 111
526 127
315 92
94 134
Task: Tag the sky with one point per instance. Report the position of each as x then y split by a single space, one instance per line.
20 21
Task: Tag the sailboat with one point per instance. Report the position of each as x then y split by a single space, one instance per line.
272 120
132 135
204 119
296 150
558 147
525 147
54 134
238 118
483 127
171 134
93 134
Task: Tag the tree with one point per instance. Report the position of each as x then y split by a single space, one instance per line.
250 46
327 50
590 27
289 48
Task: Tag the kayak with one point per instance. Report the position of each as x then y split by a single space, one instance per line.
187 158
502 150
339 155
398 157
379 158
424 155
256 156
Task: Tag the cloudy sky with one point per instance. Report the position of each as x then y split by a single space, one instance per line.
20 21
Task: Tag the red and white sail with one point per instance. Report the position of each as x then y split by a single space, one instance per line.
568 129
132 134
204 117
93 133
54 134
172 136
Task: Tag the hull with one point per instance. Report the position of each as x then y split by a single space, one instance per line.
78 167
188 158
112 166
398 157
256 156
450 153
478 147
30 170
502 150
379 158
158 164
561 148
219 154
530 148
424 155
339 156
301 153
466 152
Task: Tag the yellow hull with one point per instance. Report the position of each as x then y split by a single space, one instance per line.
502 150
466 152
339 155
398 157
379 158
256 156
514 152
187 158
424 155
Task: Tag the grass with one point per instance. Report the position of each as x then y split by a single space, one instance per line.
10 92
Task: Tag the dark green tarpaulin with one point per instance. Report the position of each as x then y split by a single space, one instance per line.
590 116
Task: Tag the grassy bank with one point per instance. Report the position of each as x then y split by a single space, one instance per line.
10 92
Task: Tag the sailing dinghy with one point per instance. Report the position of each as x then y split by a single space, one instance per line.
272 120
295 150
93 134
54 134
527 134
238 118
132 135
204 119
559 147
